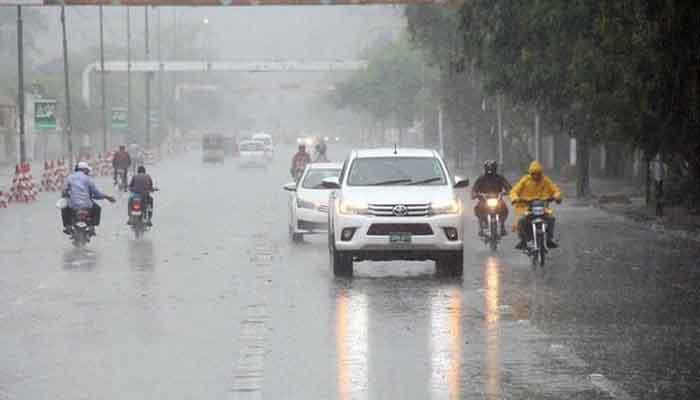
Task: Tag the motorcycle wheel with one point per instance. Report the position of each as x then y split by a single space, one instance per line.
541 251
79 239
493 233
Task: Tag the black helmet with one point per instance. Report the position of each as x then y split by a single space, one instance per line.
302 147
490 167
141 170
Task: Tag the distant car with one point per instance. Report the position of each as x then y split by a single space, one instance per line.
308 201
266 139
251 153
213 148
395 204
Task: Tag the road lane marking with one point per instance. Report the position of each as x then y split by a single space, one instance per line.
249 371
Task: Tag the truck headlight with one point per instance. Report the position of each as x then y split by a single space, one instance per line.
448 207
352 207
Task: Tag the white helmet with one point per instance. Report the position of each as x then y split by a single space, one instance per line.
84 165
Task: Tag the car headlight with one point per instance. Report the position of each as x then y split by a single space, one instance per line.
449 207
492 203
352 207
301 203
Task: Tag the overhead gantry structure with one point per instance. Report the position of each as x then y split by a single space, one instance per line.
216 66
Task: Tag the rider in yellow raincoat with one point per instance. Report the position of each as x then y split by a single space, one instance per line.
534 186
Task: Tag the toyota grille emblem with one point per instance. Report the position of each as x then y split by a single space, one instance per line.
400 210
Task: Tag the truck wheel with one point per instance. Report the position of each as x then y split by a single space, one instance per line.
341 262
451 264
297 237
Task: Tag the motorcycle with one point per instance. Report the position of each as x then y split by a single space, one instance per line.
537 248
82 230
122 184
492 233
139 214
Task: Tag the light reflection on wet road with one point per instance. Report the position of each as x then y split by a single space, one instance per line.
216 302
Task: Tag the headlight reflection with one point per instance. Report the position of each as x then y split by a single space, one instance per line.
493 333
446 344
351 345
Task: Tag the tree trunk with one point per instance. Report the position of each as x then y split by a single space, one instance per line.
583 177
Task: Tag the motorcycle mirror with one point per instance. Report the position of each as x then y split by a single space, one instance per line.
461 182
331 183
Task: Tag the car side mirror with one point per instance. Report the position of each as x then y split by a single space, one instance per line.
461 182
290 187
331 183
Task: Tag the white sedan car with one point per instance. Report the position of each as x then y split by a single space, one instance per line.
251 153
308 200
395 204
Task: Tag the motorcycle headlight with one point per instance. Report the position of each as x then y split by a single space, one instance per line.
352 207
301 203
539 210
492 203
449 207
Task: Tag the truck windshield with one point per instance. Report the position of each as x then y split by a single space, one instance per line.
386 171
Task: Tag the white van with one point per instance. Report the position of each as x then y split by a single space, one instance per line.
266 139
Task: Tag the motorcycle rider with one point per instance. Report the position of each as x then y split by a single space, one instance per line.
81 190
534 186
321 153
491 183
121 163
299 161
142 184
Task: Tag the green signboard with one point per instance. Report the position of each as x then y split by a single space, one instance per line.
120 118
44 115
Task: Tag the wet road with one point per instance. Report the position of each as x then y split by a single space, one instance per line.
216 303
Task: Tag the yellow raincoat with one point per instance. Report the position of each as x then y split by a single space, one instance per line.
528 189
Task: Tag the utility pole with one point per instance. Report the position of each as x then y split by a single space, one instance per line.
174 75
160 79
538 144
148 84
68 127
128 72
102 83
499 116
441 139
20 88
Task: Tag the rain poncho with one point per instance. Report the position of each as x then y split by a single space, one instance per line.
527 189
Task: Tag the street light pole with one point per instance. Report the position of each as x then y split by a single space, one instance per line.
102 83
499 116
68 124
174 75
128 71
160 79
148 84
20 88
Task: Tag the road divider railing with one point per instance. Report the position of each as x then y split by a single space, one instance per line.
23 188
4 199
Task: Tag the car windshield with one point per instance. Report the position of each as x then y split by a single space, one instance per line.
381 171
252 146
315 176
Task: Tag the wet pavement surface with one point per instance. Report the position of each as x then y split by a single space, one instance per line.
216 302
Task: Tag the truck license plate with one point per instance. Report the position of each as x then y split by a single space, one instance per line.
400 238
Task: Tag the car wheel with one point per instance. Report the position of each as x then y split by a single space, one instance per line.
451 264
341 262
297 237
